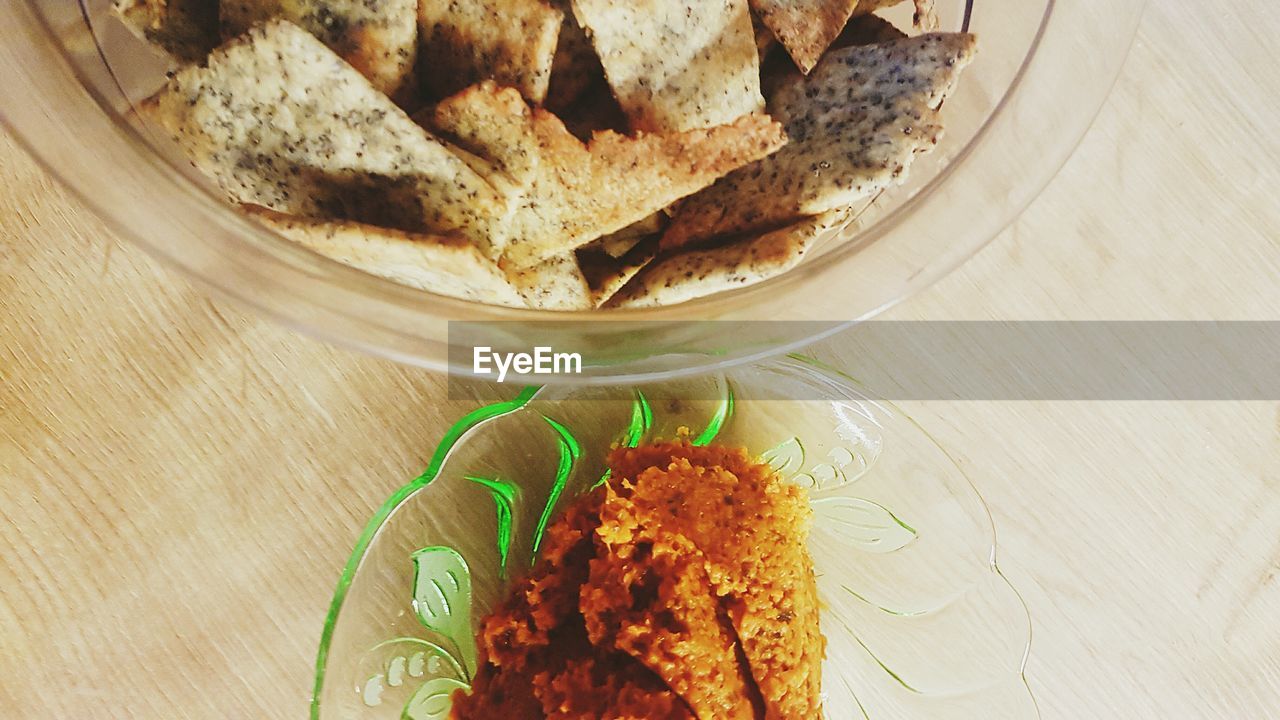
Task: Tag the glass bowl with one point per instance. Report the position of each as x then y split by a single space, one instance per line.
1042 71
919 621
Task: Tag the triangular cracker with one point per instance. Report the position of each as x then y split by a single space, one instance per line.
854 124
186 29
379 39
510 41
556 283
676 65
692 274
805 27
277 119
575 192
440 264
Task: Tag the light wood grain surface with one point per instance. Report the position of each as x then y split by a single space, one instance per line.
180 481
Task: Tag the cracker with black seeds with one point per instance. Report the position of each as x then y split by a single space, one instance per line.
691 274
438 263
186 29
574 192
778 69
512 42
854 125
805 27
676 65
809 28
380 39
278 120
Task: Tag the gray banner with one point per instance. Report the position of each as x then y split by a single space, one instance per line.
1229 360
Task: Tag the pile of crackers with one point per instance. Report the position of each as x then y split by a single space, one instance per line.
552 154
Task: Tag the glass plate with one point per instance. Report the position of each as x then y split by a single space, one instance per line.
919 621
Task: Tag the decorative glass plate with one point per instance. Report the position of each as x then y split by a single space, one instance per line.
919 621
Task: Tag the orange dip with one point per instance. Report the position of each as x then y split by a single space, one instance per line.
682 588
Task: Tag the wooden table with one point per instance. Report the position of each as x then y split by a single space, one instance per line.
181 480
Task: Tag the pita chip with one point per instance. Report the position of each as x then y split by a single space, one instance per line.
693 274
278 120
573 192
510 41
808 28
186 29
440 264
676 65
855 124
377 38
805 27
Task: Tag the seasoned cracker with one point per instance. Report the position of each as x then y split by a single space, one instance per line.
278 120
512 42
186 29
805 27
440 264
855 124
676 65
575 192
691 274
378 38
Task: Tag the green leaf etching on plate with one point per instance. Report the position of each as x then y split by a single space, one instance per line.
409 658
641 420
451 437
724 411
433 700
570 451
860 522
504 499
637 428
442 599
